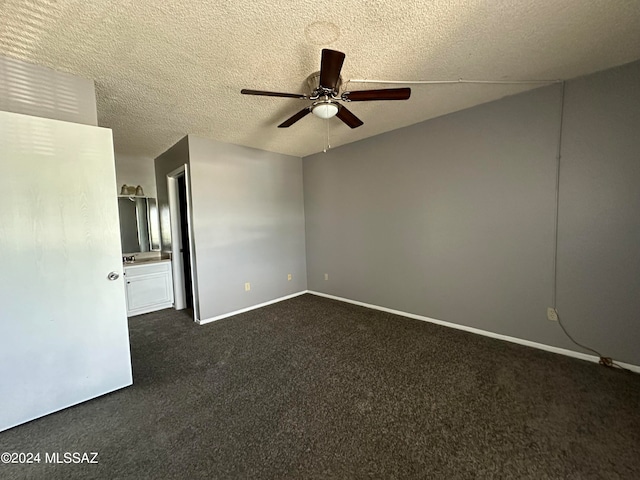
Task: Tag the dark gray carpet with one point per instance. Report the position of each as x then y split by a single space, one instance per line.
313 388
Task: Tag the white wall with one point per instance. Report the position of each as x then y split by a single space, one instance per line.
42 92
133 170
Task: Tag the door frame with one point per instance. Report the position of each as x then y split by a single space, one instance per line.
176 256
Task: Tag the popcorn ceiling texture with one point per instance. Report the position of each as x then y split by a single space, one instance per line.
166 69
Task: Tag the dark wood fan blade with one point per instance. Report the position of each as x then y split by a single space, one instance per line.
245 91
385 94
330 67
349 118
290 121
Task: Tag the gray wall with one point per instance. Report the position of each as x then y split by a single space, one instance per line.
453 218
42 92
599 234
248 222
172 159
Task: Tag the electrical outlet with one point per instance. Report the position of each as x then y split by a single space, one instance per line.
552 314
326 276
289 277
247 287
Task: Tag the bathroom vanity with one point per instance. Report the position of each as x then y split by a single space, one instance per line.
148 286
147 276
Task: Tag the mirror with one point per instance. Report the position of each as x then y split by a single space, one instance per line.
139 228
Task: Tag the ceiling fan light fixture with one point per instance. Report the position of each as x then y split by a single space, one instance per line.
325 110
324 86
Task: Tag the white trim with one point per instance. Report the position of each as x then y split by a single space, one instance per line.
192 245
253 307
528 343
176 257
178 171
176 233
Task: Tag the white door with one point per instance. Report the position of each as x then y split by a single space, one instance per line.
63 325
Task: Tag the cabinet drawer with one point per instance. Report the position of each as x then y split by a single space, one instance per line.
131 271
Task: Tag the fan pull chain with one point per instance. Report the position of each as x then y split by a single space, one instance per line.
328 145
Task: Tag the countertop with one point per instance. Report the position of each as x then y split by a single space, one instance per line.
146 261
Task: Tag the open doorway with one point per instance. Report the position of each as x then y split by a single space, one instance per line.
185 296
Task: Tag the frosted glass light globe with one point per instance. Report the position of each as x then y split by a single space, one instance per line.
325 110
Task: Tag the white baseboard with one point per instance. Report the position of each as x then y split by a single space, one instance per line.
528 343
253 307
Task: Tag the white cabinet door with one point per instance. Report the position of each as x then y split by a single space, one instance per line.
63 325
149 287
149 291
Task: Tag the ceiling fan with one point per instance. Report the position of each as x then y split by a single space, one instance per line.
325 86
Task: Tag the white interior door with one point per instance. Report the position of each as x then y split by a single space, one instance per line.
63 324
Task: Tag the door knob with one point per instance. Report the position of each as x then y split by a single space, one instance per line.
113 276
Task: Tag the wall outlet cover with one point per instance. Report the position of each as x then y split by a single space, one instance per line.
552 314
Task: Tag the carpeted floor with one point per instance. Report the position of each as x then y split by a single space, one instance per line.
314 388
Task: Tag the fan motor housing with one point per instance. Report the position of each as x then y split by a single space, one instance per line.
313 81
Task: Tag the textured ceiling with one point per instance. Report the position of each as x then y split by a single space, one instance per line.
166 69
